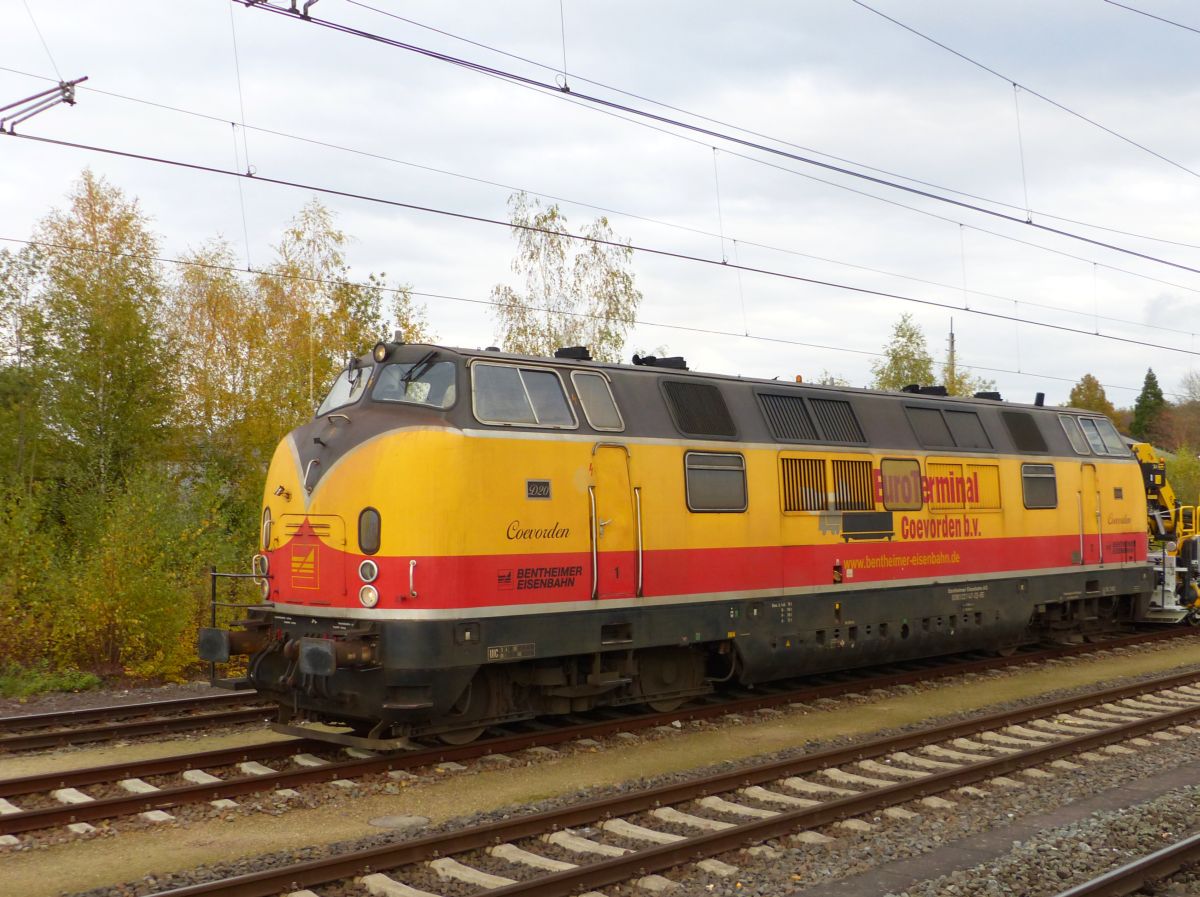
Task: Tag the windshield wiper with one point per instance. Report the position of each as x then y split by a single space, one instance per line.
420 367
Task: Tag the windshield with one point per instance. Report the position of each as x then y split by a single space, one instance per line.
347 388
421 383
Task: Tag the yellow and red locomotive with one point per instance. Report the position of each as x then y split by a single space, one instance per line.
463 538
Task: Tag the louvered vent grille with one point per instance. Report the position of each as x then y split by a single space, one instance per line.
803 484
787 417
837 421
699 409
852 489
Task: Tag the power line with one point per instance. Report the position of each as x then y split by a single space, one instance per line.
648 250
701 117
684 328
1149 15
610 104
701 232
1041 96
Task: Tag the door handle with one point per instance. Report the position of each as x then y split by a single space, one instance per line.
600 524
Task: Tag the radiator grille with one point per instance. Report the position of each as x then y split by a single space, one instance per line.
803 484
852 490
837 420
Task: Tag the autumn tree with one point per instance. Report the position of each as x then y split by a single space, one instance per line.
22 340
1148 409
575 294
1089 395
906 359
109 380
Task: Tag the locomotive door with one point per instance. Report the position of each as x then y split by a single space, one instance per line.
614 530
1090 530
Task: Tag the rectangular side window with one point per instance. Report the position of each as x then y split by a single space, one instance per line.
852 488
901 483
1112 439
985 484
715 481
1074 435
802 481
596 397
508 394
947 487
1095 440
1039 486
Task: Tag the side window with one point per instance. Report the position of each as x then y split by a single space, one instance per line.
1095 440
596 398
715 481
1074 434
1039 486
1112 439
802 482
901 483
507 394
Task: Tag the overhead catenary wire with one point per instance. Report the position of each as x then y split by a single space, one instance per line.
1041 96
652 116
583 238
492 303
1150 15
700 116
608 210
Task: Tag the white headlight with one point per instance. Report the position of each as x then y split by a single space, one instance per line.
368 570
368 596
266 589
260 565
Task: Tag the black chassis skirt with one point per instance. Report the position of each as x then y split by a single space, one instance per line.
424 665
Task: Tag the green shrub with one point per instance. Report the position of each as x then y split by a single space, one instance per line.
18 681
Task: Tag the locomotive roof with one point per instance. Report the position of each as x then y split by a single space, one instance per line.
493 355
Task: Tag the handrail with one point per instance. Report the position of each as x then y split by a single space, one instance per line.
595 545
637 499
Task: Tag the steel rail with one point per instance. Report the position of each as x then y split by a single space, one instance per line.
1132 877
124 711
208 719
166 798
658 858
136 769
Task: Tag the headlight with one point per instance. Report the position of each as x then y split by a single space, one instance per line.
380 352
367 571
265 585
368 596
260 565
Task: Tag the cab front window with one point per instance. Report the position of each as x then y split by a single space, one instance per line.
424 382
347 389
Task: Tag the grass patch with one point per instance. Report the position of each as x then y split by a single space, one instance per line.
17 681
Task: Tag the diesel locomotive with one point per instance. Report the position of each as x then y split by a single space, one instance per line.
463 538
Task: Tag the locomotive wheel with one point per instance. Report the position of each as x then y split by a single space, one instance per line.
665 670
479 701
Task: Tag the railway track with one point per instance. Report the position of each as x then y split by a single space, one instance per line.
47 730
633 835
1147 870
98 724
150 788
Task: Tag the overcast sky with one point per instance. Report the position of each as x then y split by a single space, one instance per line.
827 77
